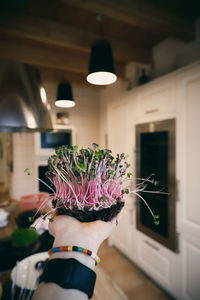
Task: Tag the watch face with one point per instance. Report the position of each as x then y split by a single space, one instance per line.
26 272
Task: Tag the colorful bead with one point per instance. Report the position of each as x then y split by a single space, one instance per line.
89 252
76 249
62 248
93 255
98 260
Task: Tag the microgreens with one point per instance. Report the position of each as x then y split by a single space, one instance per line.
91 179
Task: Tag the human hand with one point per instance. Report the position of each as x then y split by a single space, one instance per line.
69 231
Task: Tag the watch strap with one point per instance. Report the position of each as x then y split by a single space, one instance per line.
69 274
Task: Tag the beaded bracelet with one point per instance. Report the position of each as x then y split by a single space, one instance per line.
76 249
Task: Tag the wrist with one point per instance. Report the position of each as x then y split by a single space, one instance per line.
79 241
76 239
84 259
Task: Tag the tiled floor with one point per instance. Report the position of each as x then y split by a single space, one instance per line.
135 284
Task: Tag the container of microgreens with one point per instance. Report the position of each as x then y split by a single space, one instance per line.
91 184
24 241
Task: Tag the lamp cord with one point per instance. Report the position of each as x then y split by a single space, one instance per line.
100 18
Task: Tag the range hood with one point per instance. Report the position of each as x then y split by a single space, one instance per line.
23 102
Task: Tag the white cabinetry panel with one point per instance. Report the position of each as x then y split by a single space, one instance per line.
160 263
119 126
153 259
192 92
191 263
124 235
188 159
156 101
122 231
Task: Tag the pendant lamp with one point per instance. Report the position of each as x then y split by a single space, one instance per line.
64 95
101 67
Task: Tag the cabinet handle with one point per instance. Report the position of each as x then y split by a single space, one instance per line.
152 246
177 183
151 111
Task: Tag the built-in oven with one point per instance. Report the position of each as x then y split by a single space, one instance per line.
45 146
155 154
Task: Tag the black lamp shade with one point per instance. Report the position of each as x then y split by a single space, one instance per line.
64 95
101 62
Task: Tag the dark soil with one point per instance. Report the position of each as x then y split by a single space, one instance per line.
104 214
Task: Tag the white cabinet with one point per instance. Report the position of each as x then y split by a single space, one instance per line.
159 263
190 287
188 166
188 92
155 100
123 234
176 95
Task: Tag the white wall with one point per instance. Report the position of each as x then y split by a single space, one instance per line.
84 117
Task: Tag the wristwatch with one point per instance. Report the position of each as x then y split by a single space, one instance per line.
69 274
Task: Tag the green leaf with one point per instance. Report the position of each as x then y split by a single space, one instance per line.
156 216
50 220
81 166
75 148
127 191
129 175
33 228
156 222
26 170
103 198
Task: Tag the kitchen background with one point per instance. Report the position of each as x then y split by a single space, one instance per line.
48 35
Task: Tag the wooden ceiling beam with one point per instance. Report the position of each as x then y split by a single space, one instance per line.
47 56
142 14
63 75
50 32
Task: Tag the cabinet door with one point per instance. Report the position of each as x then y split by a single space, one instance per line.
123 235
155 101
190 268
188 89
160 263
188 158
118 142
